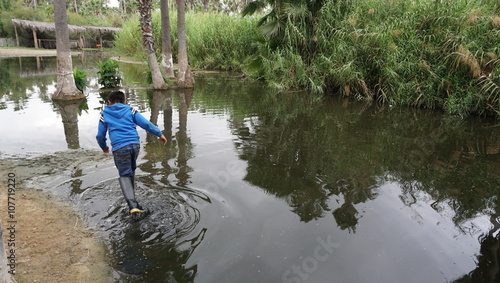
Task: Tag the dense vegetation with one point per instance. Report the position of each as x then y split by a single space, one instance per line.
432 54
441 54
215 41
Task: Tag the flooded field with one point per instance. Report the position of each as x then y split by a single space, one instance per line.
255 186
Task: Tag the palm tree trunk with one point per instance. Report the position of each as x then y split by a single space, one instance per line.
148 42
166 42
184 76
66 88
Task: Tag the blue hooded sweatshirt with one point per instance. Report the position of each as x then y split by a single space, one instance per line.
121 120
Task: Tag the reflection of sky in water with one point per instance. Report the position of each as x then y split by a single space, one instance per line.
251 234
38 129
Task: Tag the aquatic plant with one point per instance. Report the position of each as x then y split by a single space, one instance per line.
108 73
80 77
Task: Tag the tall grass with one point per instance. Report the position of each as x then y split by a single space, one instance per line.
215 41
434 54
220 41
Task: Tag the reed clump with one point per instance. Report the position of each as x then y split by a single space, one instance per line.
432 54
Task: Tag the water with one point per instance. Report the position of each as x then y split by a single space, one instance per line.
261 187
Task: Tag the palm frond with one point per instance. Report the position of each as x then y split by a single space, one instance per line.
267 18
252 7
273 29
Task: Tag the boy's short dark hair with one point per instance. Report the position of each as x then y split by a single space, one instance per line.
117 96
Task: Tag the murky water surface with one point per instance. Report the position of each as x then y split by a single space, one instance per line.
259 187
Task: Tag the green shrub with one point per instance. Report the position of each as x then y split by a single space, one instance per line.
432 54
108 73
80 78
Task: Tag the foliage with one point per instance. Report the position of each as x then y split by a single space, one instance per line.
128 42
18 11
214 41
90 12
220 41
427 53
433 54
108 73
5 5
80 78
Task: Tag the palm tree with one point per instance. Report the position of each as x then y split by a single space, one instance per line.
166 42
184 76
66 87
148 42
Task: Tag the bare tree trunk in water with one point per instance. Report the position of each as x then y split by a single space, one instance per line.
148 43
166 41
184 76
66 88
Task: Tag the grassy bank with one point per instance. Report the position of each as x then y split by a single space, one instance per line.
433 54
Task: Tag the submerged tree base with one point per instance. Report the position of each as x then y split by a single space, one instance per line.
185 79
68 97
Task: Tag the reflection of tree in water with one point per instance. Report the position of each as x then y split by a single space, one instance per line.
69 111
488 261
183 141
179 147
17 88
293 157
308 152
355 191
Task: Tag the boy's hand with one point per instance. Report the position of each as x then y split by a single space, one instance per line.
106 150
163 139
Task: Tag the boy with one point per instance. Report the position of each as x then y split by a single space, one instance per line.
120 121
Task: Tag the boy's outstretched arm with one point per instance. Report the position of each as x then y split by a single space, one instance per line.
149 127
101 135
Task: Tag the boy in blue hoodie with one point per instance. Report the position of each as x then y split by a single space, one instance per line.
120 120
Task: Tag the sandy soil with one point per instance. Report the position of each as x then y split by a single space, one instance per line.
52 243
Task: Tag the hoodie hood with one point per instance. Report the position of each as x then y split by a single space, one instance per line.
117 110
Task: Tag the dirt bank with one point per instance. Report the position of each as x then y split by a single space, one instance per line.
52 244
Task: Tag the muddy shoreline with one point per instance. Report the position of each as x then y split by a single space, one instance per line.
53 244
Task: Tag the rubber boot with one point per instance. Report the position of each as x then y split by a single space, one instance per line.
127 185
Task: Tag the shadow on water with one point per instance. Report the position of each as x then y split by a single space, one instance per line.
307 161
